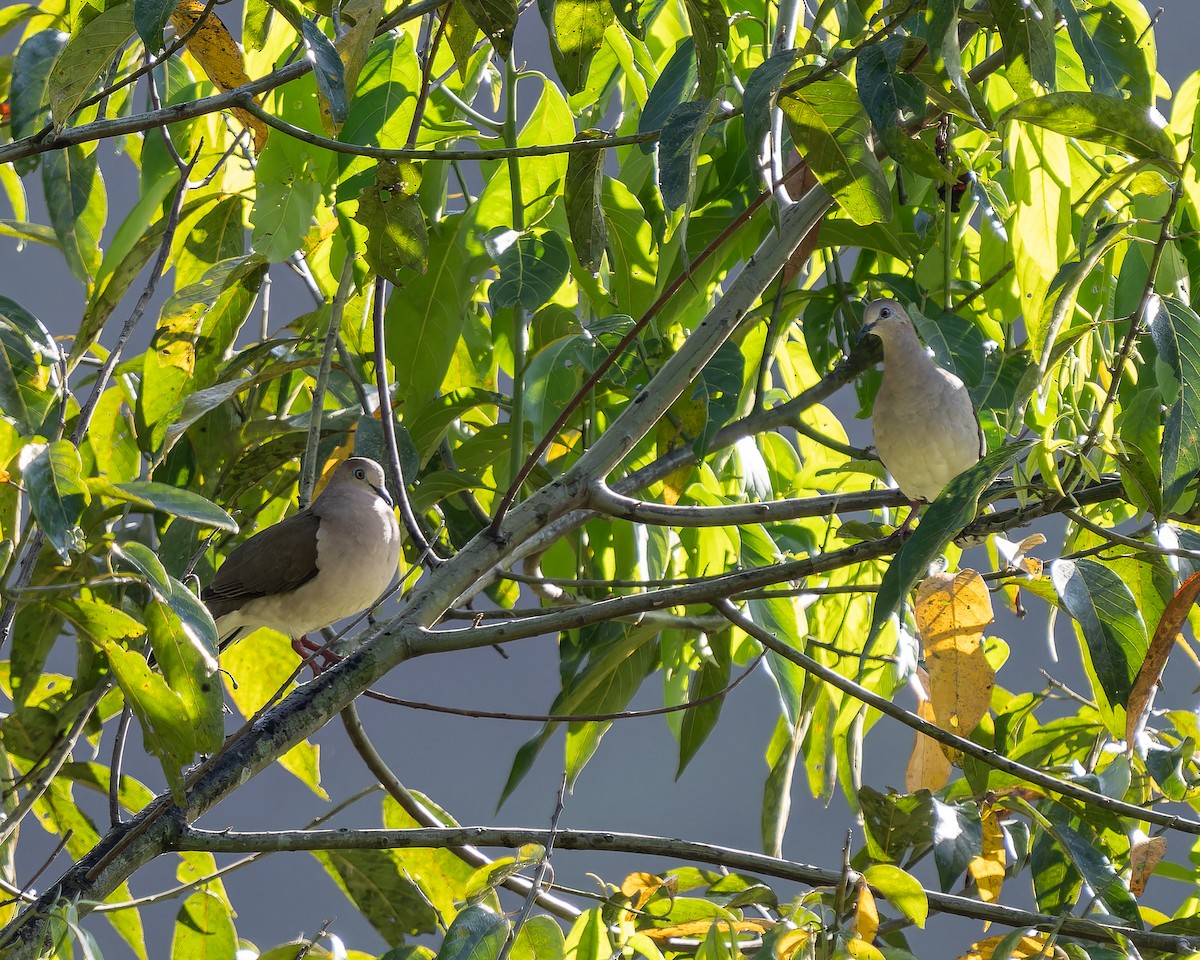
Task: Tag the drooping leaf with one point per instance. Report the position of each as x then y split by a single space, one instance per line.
329 72
1027 29
987 867
710 31
150 18
1108 616
497 19
57 492
1141 696
678 151
203 928
952 611
29 95
1093 60
1112 121
830 129
943 519
426 316
397 239
576 33
585 212
78 206
86 54
1175 329
219 55
674 85
189 665
373 881
28 375
762 88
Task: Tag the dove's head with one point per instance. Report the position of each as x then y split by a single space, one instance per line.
886 320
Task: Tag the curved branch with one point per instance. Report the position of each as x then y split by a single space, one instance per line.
993 759
607 841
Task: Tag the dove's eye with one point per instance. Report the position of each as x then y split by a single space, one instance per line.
885 313
361 474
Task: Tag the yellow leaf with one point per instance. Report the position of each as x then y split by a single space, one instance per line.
219 55
987 869
1144 854
1026 948
866 919
787 945
640 887
863 950
928 767
700 928
951 612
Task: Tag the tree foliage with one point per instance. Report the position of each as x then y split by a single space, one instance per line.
590 318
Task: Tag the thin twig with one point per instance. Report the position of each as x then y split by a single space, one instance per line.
316 411
388 422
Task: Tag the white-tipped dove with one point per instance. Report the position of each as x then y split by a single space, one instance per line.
926 431
329 561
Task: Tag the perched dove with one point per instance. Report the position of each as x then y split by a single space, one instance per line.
329 561
926 431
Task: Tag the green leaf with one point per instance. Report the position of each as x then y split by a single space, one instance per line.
541 178
679 150
1098 872
28 375
441 874
384 104
1175 330
96 620
699 721
762 89
674 85
889 94
710 30
87 53
203 929
532 268
189 665
540 938
149 19
896 824
939 30
425 317
78 206
328 70
957 837
166 731
718 388
1027 29
830 130
1108 616
57 493
901 890
576 30
497 19
476 934
942 520
397 239
373 881
1111 121
554 374
585 212
29 94
781 616
162 497
1089 55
